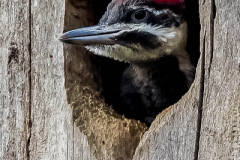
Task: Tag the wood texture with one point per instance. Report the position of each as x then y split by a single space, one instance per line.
36 121
50 114
14 80
50 107
52 132
220 133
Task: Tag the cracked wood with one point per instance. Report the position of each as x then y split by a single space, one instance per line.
14 79
220 131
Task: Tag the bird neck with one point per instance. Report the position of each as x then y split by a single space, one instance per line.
165 68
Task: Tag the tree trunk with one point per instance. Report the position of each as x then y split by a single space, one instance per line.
50 106
220 131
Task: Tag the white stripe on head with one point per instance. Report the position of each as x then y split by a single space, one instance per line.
162 33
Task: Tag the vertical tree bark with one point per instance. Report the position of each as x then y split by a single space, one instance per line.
52 129
14 79
35 119
50 107
220 132
37 116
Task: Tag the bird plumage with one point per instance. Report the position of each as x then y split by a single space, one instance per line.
150 35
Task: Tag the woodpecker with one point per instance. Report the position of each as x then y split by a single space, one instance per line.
151 36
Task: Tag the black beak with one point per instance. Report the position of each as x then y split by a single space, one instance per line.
91 35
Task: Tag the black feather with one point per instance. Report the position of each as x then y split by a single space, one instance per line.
150 87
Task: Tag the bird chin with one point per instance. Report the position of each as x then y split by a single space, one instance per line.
116 51
125 54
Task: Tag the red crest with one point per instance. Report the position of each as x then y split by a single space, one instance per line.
168 1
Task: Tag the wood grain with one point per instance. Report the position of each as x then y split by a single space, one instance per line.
52 131
50 106
14 79
220 133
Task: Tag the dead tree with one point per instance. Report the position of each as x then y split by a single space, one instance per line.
51 108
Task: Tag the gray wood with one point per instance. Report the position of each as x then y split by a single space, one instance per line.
35 119
52 132
220 129
14 80
220 133
50 107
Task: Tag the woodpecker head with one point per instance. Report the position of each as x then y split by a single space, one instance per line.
135 31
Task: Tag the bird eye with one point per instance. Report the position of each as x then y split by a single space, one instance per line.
140 15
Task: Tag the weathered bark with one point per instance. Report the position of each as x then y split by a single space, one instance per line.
36 121
14 79
220 132
52 133
50 107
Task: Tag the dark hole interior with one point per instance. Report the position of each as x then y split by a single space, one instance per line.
193 21
110 71
99 8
